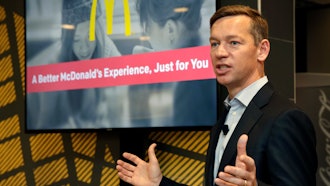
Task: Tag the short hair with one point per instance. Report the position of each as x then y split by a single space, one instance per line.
259 25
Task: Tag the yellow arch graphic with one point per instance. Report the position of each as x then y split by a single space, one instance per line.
109 7
127 18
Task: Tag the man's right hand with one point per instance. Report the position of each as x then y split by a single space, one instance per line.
142 173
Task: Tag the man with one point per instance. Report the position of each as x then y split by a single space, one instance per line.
281 145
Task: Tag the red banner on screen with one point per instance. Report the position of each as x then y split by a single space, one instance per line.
155 67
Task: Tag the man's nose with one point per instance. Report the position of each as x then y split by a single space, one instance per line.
221 51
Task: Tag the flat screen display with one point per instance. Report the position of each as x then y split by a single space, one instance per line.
117 64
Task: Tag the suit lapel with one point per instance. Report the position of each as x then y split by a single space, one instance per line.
215 133
248 120
214 137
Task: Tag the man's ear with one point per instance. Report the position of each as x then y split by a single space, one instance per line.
264 49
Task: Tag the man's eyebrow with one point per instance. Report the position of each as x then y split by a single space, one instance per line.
212 38
228 37
233 37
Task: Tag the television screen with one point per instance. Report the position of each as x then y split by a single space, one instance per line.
118 64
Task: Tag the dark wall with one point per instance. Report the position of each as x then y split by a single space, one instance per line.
280 16
313 77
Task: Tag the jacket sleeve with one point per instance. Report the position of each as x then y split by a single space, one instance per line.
291 150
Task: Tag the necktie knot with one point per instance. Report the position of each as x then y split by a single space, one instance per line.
227 106
225 129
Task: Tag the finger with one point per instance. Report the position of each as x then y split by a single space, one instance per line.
236 172
124 177
234 176
250 168
125 165
228 179
133 158
249 163
241 145
151 152
241 150
124 171
221 180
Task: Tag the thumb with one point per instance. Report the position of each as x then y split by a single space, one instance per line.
241 145
241 149
151 153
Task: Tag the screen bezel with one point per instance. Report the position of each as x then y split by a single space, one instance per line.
193 127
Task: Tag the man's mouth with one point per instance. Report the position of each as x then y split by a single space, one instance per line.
222 69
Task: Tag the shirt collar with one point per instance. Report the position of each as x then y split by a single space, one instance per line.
246 95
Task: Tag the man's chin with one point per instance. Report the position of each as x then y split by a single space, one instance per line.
222 80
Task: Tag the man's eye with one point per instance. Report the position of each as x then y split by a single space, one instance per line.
214 44
234 43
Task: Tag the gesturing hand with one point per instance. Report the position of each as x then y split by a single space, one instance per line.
142 173
244 171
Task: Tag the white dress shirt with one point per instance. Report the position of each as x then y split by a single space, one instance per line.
237 107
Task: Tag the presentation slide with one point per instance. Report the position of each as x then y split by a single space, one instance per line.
117 64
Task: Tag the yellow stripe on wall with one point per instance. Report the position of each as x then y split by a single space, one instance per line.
84 170
9 127
108 156
109 177
7 94
11 156
84 143
195 141
4 39
51 173
2 13
6 68
17 179
46 145
180 168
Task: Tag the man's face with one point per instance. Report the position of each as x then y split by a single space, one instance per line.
82 47
233 53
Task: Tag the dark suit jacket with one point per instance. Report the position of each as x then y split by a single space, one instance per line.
281 141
